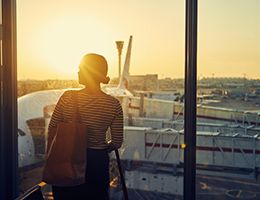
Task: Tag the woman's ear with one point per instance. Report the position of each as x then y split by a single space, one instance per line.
106 80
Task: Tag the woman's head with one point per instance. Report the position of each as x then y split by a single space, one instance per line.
93 69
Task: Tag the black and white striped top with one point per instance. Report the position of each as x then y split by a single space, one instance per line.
97 112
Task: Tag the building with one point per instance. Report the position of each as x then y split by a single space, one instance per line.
143 82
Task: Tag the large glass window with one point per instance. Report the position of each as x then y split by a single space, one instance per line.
228 100
52 38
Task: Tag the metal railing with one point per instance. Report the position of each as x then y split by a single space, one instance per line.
33 193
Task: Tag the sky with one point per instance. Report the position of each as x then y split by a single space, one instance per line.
53 35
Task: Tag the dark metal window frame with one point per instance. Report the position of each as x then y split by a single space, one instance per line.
8 102
190 100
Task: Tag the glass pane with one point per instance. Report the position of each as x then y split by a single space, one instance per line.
50 46
228 100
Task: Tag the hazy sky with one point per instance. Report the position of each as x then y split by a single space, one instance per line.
54 34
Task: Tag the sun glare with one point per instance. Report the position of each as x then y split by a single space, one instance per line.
60 44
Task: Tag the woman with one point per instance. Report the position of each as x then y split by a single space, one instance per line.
98 111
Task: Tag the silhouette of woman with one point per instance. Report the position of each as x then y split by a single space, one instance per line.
98 111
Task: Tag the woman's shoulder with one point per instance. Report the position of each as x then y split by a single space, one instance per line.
68 94
112 99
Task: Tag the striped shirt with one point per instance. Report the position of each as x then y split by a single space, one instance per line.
98 112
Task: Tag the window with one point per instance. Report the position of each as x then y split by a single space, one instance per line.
50 46
227 112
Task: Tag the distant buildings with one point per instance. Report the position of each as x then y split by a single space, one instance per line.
28 86
143 82
232 87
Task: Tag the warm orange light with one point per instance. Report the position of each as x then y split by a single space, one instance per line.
58 45
183 146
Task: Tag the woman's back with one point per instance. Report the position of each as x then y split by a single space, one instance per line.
97 111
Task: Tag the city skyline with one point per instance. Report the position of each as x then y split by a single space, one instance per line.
54 35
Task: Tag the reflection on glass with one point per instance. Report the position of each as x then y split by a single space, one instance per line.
152 99
228 100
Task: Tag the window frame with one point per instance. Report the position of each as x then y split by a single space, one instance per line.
8 91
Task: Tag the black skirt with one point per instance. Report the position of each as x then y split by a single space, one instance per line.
97 179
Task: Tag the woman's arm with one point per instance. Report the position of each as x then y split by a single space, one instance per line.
117 129
56 118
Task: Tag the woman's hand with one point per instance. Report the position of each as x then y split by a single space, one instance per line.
111 147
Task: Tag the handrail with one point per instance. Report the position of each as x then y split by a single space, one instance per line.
121 175
33 193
